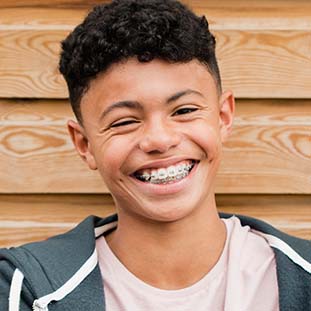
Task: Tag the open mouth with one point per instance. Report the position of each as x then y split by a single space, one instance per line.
166 175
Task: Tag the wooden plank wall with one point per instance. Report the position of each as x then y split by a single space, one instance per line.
264 50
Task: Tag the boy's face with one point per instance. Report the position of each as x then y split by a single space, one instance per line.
152 121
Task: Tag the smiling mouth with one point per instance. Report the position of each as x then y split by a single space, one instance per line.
166 175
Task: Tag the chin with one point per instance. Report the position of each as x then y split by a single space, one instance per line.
168 212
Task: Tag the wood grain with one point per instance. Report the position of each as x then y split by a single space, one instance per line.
237 15
29 66
269 150
48 4
264 14
35 142
251 39
265 64
275 13
264 51
27 218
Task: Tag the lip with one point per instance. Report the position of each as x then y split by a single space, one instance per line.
169 188
163 163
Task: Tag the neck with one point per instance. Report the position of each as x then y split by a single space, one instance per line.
159 253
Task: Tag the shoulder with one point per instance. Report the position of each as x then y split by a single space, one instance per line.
293 262
252 249
276 238
11 283
40 268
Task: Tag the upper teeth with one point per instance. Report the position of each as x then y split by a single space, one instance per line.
167 174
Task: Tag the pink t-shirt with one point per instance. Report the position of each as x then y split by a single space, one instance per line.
243 279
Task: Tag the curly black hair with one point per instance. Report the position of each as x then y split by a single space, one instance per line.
145 29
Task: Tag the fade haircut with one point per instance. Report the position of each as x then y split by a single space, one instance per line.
145 29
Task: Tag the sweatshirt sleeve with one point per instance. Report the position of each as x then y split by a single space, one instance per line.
6 278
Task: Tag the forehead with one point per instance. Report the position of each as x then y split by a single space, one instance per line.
152 81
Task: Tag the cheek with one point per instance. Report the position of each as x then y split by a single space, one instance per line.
207 137
111 157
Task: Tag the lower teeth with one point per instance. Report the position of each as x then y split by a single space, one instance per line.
166 180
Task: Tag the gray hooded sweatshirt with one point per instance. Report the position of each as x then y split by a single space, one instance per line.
62 273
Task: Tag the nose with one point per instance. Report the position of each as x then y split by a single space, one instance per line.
159 137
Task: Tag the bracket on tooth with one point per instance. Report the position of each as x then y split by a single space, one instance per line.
163 175
170 174
146 176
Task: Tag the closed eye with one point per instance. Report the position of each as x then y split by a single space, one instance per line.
123 123
184 111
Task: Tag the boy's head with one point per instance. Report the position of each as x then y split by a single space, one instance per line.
144 84
144 29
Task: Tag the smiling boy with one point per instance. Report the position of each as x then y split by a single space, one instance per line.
152 117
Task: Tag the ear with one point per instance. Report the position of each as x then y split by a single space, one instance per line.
81 143
226 114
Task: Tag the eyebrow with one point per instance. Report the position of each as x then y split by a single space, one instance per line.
137 106
122 104
183 93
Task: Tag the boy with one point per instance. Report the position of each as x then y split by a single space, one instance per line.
145 87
